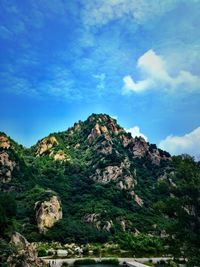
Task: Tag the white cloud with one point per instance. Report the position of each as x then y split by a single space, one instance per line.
131 85
188 143
98 13
135 131
154 68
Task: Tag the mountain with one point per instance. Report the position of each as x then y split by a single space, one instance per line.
91 183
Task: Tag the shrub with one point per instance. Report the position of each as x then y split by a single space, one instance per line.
42 252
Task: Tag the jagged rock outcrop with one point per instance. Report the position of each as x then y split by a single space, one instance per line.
124 224
26 255
48 145
45 144
4 142
126 139
127 182
109 173
114 173
137 199
95 220
59 155
105 147
140 147
48 213
96 131
6 167
104 126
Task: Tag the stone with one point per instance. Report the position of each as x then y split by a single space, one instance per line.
45 144
6 167
48 213
137 199
4 142
26 255
95 219
59 155
140 147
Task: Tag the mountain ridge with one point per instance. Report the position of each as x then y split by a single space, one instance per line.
91 183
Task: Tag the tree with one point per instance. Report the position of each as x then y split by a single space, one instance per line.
7 212
184 206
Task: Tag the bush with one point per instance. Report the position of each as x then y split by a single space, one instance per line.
64 264
42 252
84 262
172 264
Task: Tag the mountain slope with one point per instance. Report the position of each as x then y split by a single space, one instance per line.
105 181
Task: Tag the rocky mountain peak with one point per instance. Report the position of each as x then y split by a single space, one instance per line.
99 117
103 125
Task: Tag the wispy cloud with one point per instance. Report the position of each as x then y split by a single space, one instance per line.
154 68
60 84
135 131
188 143
101 81
98 13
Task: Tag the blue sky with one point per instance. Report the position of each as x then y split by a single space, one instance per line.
136 60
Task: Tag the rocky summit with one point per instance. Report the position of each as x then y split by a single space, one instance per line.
91 183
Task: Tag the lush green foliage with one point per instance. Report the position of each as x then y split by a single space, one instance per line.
170 187
184 208
7 213
141 245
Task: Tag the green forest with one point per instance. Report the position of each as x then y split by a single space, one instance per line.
109 188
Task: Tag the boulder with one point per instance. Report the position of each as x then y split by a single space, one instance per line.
4 142
48 213
26 255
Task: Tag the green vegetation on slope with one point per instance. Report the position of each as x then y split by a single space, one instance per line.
112 188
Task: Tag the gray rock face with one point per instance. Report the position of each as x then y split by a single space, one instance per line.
48 213
6 167
120 174
140 147
95 219
26 253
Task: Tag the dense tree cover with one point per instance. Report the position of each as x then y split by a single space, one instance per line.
170 194
141 245
7 226
7 213
183 207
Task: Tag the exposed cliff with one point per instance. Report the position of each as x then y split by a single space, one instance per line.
48 213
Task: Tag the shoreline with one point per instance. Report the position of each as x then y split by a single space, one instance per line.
122 261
